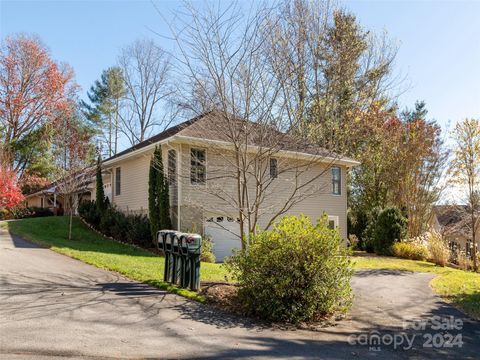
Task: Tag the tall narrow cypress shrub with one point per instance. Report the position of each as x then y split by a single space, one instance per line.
153 208
164 200
158 196
100 201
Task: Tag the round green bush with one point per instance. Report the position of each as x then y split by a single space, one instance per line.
296 272
390 227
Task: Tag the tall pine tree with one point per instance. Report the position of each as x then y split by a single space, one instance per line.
105 97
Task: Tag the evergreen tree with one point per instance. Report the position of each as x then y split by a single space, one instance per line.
164 202
105 96
158 195
101 202
153 194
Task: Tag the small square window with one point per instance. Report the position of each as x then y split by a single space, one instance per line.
332 222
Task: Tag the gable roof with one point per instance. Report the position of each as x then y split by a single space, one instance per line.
88 172
210 126
157 138
453 219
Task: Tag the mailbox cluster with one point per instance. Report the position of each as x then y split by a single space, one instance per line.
182 258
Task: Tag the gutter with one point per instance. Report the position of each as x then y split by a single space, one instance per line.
284 153
225 144
138 151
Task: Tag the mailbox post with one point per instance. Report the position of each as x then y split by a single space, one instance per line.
182 258
194 246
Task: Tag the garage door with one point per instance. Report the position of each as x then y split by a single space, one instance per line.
224 232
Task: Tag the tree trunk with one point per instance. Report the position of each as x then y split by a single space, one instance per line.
70 225
474 241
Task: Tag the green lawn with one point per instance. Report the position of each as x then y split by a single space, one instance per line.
96 250
461 288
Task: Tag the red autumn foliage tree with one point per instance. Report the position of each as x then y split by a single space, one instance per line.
10 194
402 160
33 89
31 182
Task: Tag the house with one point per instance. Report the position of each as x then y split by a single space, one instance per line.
454 223
199 160
50 196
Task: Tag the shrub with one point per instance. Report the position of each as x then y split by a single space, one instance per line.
367 236
89 212
120 227
295 272
134 229
108 220
410 250
464 262
357 221
207 254
390 227
438 249
39 212
353 241
138 231
22 212
4 214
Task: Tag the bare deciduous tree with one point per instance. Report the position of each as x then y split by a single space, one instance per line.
73 157
146 71
465 170
258 173
329 67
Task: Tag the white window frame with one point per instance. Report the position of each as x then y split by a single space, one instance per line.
190 167
339 180
333 218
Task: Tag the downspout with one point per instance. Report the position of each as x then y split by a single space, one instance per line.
179 184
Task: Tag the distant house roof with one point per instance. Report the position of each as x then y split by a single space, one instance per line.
211 126
52 187
454 219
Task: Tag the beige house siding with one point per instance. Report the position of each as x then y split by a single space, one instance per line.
325 201
34 201
197 202
204 200
133 185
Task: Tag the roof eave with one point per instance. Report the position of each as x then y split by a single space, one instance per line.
347 162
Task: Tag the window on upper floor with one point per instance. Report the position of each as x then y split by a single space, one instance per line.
336 180
172 166
197 166
273 168
118 181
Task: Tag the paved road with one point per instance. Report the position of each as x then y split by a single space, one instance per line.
54 306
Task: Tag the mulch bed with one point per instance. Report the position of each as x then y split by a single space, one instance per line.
222 295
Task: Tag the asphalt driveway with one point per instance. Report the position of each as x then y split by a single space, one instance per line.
54 306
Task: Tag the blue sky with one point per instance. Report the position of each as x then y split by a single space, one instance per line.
439 41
